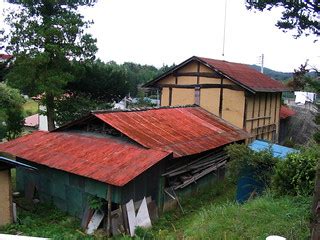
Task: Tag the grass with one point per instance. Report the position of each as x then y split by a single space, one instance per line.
30 107
208 214
46 221
213 214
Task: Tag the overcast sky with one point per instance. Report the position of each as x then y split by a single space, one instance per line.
161 32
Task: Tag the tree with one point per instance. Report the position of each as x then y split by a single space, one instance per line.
101 81
46 37
96 86
301 15
11 112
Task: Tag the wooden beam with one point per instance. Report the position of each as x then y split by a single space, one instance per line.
259 110
245 113
257 118
109 199
197 96
206 85
270 105
221 98
265 111
197 74
253 106
170 96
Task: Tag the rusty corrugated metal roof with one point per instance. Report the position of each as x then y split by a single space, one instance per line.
241 74
246 75
104 159
286 112
181 130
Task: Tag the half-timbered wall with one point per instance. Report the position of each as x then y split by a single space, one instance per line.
197 84
262 115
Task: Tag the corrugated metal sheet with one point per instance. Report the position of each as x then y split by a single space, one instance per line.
246 76
286 112
103 159
181 130
277 150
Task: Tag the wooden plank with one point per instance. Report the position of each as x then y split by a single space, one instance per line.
265 111
95 221
170 96
204 85
259 110
257 118
253 107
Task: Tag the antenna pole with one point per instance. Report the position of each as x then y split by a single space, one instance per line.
224 27
262 62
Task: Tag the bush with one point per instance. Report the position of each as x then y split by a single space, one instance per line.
295 175
243 159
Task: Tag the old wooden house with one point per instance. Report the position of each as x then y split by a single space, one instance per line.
236 92
6 204
131 154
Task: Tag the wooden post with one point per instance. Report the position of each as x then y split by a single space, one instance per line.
109 199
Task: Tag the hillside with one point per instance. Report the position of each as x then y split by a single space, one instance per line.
282 76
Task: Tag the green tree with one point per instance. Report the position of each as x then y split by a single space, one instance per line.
299 15
46 36
97 85
11 112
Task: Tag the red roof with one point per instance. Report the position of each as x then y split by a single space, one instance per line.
181 130
32 121
246 75
5 56
286 112
241 74
101 158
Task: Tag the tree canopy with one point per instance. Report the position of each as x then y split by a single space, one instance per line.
11 112
299 15
46 38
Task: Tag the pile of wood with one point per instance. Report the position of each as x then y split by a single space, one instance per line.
186 174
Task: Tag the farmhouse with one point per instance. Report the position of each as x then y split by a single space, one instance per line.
125 155
235 92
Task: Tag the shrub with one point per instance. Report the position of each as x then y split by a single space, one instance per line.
295 175
243 159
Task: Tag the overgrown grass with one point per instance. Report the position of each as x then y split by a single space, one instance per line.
215 215
30 107
46 221
209 214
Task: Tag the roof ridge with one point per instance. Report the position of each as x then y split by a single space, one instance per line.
142 109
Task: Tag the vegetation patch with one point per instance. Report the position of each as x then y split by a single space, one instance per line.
30 107
46 221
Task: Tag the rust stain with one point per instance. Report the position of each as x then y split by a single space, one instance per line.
181 130
103 159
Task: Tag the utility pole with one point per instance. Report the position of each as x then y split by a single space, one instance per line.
262 62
